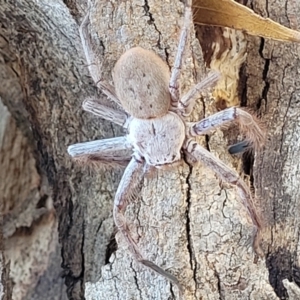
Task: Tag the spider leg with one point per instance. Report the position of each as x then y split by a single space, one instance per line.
105 112
91 59
255 134
127 191
109 91
174 84
187 102
226 174
108 152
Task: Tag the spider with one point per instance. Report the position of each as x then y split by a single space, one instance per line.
155 116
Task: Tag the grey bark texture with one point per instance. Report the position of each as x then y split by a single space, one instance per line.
185 220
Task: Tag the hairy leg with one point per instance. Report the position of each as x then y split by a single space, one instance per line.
105 112
127 191
174 84
109 91
186 104
226 174
91 59
254 132
108 152
90 56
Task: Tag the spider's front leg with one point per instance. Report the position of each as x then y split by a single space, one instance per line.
127 191
226 174
254 132
174 85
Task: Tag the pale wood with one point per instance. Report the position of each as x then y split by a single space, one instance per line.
293 289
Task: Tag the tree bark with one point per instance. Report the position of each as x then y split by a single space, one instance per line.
185 220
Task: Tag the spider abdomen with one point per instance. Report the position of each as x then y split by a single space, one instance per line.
158 140
141 80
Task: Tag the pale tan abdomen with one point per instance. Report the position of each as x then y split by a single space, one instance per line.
141 80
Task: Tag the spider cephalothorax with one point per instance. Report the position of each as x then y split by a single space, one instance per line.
146 137
158 133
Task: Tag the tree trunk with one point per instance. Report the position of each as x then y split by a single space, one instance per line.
186 220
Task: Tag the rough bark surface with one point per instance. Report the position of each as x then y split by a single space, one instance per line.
29 223
186 220
276 172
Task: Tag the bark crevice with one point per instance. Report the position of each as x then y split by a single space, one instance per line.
190 246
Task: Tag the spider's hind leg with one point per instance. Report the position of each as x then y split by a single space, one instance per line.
249 124
228 175
127 191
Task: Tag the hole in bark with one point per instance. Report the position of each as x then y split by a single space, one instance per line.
42 202
248 161
281 266
111 247
242 85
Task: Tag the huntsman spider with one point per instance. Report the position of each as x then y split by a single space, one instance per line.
155 116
